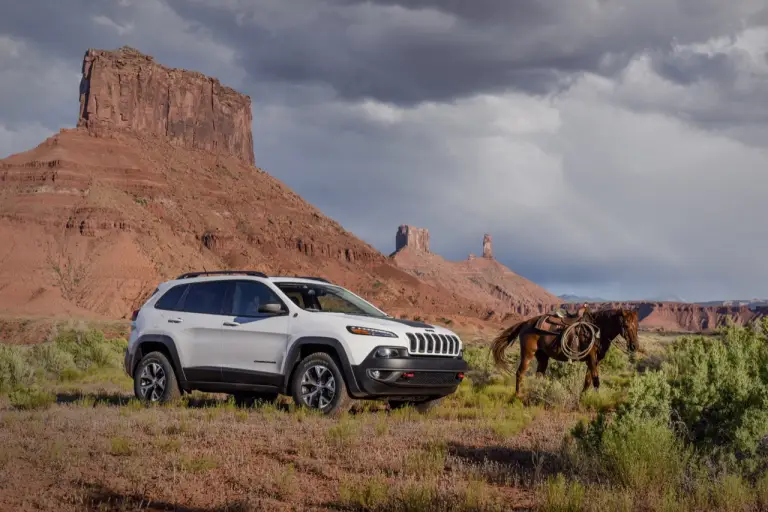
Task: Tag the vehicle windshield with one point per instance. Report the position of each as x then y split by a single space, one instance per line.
328 299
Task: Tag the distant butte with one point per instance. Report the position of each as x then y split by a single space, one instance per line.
484 280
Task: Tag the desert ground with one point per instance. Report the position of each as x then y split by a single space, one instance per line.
74 438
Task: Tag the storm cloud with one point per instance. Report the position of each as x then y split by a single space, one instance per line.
611 147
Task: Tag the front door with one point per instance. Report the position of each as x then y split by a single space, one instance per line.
253 340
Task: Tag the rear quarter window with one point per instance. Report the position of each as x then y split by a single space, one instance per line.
170 299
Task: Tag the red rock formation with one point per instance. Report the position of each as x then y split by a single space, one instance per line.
487 249
415 238
127 90
483 280
94 217
683 317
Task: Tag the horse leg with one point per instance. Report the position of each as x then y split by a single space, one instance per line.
526 355
591 378
587 379
596 375
542 361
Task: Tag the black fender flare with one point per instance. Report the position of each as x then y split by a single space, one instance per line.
170 346
294 354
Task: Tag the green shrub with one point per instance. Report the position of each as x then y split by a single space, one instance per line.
90 348
51 359
688 435
14 369
31 398
71 355
615 361
719 388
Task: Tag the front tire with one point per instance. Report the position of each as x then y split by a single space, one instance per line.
154 380
318 384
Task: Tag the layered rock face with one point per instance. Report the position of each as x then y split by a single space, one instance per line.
127 90
415 238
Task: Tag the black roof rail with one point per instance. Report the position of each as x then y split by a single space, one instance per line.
253 273
315 279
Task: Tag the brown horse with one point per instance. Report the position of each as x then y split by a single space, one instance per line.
543 346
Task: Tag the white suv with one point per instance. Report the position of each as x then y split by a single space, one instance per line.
254 336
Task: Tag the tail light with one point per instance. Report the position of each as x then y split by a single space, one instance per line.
134 315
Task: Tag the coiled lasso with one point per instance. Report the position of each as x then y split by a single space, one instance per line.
576 355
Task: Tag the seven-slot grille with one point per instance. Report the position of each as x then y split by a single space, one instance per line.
433 344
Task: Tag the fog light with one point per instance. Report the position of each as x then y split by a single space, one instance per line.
375 374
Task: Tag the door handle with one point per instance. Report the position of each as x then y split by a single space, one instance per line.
231 324
174 320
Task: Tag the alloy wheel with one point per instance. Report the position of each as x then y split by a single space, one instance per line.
152 382
318 387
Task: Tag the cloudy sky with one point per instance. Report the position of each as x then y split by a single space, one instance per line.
611 147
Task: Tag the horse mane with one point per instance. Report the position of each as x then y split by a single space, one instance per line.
604 314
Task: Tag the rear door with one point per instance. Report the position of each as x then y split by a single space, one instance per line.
253 342
196 322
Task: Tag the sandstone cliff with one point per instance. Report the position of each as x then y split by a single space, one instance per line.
127 90
415 238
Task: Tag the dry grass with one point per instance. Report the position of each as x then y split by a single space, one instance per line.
80 442
92 453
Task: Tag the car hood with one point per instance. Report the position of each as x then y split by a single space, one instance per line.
383 323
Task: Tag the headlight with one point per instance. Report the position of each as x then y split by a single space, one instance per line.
385 352
367 331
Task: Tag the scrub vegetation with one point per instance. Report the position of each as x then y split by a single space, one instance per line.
681 427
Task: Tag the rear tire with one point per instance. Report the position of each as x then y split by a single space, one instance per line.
154 379
318 384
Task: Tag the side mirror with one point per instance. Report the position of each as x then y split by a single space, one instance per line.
272 308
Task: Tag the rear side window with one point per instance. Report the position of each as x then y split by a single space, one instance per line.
207 298
170 300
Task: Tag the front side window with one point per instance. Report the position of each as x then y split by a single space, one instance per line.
328 299
248 298
206 297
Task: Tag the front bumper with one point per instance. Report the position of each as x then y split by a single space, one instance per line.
408 377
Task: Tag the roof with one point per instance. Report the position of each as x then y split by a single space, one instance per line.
234 274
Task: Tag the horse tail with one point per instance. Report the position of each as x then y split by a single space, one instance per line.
503 340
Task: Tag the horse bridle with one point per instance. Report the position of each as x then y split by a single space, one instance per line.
624 335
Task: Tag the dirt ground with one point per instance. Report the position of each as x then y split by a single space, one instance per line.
102 451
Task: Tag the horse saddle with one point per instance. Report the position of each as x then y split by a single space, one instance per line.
555 323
